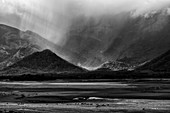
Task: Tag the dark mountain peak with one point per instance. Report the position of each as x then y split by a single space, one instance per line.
44 61
47 51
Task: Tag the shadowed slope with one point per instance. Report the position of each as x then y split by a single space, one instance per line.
161 64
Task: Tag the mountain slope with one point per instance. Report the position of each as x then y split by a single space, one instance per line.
122 38
159 64
116 66
145 38
42 62
16 44
90 42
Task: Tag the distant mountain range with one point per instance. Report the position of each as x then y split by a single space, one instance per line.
124 41
16 44
42 62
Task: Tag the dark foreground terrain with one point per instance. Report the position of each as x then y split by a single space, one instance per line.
92 96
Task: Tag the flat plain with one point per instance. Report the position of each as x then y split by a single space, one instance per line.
80 96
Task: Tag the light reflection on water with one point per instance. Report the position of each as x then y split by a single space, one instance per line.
73 83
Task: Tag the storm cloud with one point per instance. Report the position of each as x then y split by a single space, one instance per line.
52 18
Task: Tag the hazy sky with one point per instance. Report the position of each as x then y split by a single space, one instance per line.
52 18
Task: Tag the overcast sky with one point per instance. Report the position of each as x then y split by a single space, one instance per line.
52 18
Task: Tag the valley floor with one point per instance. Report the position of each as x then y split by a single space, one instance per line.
100 96
117 106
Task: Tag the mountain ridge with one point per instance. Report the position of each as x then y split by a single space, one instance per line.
159 64
42 62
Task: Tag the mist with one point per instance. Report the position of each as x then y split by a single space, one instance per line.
52 19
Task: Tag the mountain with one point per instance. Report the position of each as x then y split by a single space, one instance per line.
42 62
123 38
14 45
116 66
159 64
